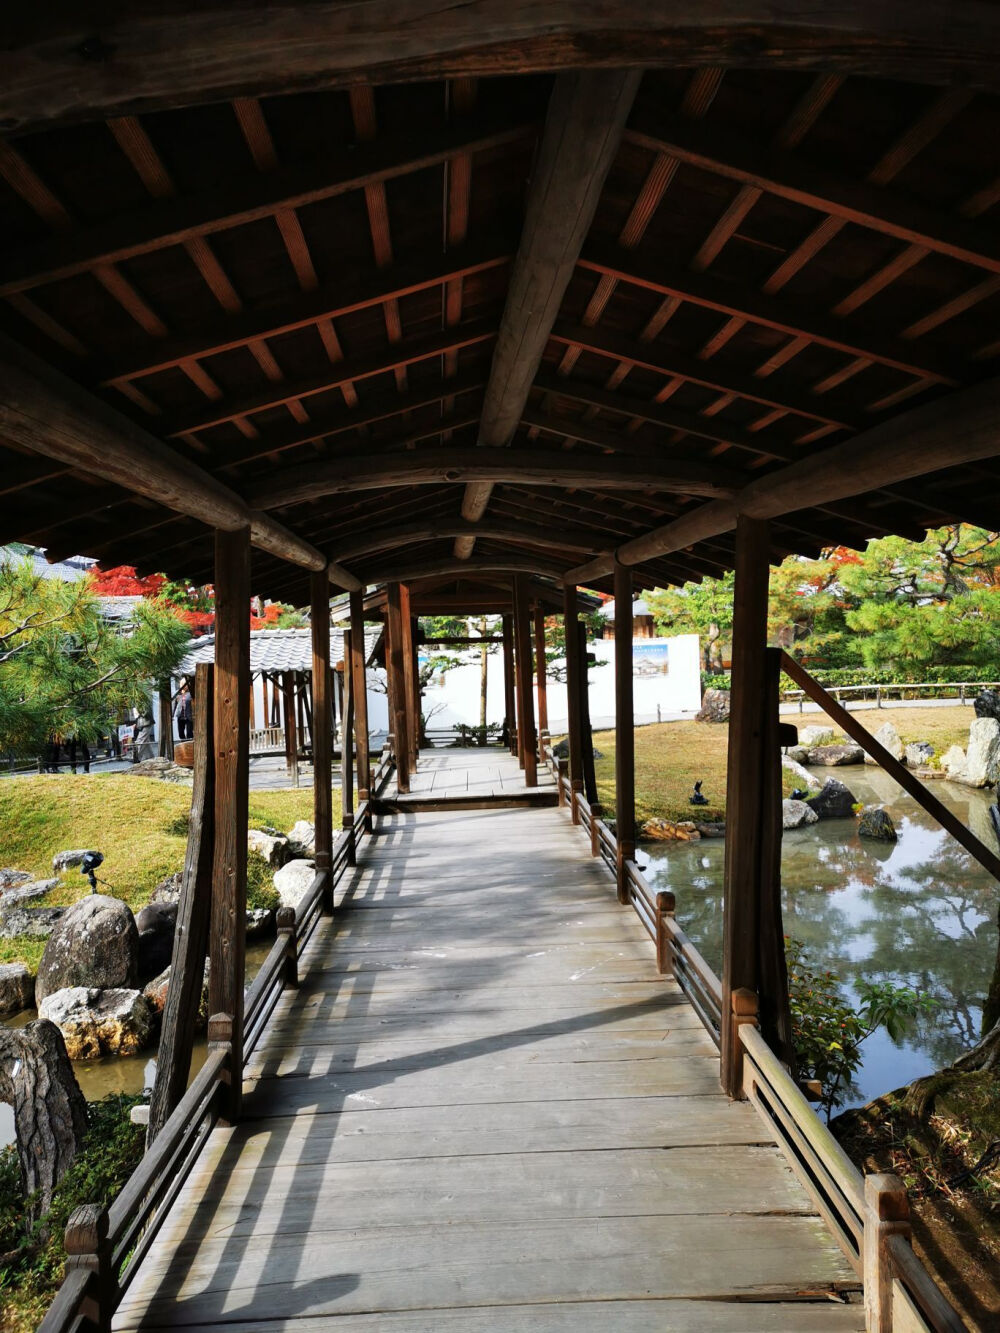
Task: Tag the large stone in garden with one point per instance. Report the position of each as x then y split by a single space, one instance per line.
876 823
17 988
714 706
919 754
273 847
987 704
293 880
806 780
25 892
810 736
302 839
156 923
834 801
982 759
97 1022
799 754
13 879
155 993
66 860
888 737
561 748
796 814
95 944
953 762
834 756
168 890
37 923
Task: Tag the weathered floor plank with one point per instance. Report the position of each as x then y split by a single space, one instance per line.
483 1110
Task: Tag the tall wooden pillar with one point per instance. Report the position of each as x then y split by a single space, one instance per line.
291 731
397 688
526 720
543 697
411 676
227 937
752 879
509 683
575 675
322 726
586 731
624 727
347 753
359 692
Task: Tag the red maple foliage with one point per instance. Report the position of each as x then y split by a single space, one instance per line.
122 581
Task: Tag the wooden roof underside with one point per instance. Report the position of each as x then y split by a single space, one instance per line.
301 295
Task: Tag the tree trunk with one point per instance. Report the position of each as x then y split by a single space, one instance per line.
991 1009
483 681
166 746
50 1113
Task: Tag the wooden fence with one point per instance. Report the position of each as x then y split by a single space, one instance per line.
869 1216
878 694
105 1246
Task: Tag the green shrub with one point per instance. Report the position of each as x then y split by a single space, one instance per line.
261 893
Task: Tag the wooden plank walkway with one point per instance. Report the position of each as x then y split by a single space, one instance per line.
484 1111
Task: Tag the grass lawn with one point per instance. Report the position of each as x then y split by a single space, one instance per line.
140 824
670 757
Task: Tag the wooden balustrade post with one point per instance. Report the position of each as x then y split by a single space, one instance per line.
887 1213
397 688
522 635
322 730
359 693
509 684
666 905
575 674
562 773
753 938
411 676
87 1247
227 938
540 673
347 757
595 833
743 1008
624 730
222 1035
287 931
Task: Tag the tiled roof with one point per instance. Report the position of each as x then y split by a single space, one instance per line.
278 649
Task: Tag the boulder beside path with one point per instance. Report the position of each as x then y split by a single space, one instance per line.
95 944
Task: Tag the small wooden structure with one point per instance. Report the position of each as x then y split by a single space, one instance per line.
480 306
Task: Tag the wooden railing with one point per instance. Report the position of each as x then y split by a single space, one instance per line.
868 1216
105 1246
942 689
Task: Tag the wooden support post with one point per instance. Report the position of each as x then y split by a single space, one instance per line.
165 720
624 729
253 702
87 1247
286 931
322 729
359 692
291 730
752 904
227 943
586 731
187 962
666 904
397 688
575 675
887 1213
562 776
743 1008
522 634
596 811
543 697
509 684
347 756
411 676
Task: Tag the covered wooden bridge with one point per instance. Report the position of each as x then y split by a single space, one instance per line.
478 306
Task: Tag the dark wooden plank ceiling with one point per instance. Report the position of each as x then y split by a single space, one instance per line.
294 288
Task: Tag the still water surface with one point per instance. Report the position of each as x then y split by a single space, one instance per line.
921 912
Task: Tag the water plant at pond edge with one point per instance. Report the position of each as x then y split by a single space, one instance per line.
32 1258
828 1031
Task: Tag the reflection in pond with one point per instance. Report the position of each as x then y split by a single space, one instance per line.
920 912
122 1073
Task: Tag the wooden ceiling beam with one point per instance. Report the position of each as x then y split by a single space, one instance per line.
433 467
427 528
877 208
65 66
43 411
185 218
344 372
735 301
674 365
962 427
306 309
583 129
596 434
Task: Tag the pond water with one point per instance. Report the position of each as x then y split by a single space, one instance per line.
921 912
122 1073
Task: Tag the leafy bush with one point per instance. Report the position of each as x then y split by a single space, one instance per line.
261 893
32 1261
828 1031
